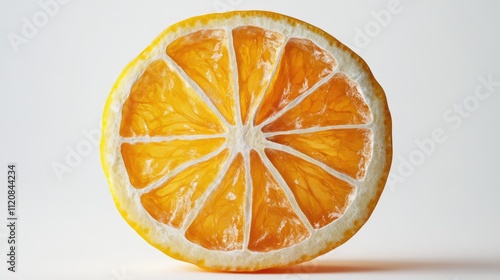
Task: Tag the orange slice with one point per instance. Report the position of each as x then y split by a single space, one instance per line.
246 140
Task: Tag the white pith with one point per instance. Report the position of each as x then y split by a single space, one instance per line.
240 138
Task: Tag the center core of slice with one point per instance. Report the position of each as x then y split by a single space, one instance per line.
245 138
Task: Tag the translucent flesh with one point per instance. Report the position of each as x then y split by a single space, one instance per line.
148 162
220 223
301 66
256 51
161 103
345 150
337 102
321 196
172 201
275 224
204 56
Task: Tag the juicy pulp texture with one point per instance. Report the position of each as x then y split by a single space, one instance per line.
204 56
161 104
171 202
345 150
302 65
322 196
256 51
337 102
309 119
219 224
275 224
148 162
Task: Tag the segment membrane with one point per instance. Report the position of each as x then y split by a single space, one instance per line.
161 103
337 102
148 162
256 52
204 56
220 222
302 65
275 224
322 197
172 201
346 150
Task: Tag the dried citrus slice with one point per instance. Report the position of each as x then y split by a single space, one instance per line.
246 140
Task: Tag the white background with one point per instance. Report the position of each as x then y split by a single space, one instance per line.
439 217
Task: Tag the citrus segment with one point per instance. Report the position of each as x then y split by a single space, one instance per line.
256 50
345 150
302 65
204 56
321 196
161 103
339 101
173 200
275 224
147 162
219 224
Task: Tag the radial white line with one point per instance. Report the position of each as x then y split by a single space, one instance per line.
248 199
196 88
210 189
317 129
234 74
297 100
178 170
253 109
156 139
305 157
288 192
